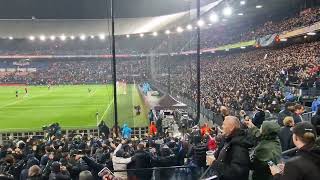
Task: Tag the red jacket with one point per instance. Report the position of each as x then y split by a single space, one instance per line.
152 129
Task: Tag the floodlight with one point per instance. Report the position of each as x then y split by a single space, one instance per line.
214 18
102 36
227 11
200 23
31 38
83 37
42 37
179 29
63 37
52 38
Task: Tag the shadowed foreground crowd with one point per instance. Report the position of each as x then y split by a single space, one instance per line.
239 145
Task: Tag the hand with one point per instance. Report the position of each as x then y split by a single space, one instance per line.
123 141
275 170
249 123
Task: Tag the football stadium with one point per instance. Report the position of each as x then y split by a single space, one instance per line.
160 90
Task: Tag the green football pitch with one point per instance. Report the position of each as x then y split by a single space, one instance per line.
72 106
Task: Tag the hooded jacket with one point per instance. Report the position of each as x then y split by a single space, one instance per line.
119 162
268 149
304 166
126 131
232 158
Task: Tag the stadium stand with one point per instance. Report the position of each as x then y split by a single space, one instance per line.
240 88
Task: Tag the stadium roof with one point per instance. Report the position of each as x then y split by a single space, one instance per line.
143 15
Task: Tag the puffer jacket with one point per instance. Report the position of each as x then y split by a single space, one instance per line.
268 149
120 163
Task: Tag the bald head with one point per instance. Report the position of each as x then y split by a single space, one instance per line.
230 125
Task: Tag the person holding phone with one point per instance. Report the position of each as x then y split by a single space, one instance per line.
267 150
306 164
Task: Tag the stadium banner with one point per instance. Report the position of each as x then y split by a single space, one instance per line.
300 31
267 40
237 45
21 63
32 69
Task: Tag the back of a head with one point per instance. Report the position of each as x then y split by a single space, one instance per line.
85 175
287 121
34 171
234 120
306 132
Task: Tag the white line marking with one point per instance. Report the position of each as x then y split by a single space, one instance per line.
106 110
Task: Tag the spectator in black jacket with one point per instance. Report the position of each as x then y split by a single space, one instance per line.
288 111
232 158
259 117
285 134
298 110
315 120
58 172
166 159
142 159
306 165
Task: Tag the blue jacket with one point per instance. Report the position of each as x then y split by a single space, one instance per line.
126 131
315 105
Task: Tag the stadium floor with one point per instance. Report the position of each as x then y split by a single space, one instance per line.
73 106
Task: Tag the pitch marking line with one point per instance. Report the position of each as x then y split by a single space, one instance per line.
106 110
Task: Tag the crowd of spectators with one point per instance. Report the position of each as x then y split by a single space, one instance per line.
79 72
245 80
83 156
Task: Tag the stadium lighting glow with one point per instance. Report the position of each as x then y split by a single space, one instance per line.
214 18
83 37
31 38
226 49
242 2
179 29
52 38
10 37
305 36
189 27
200 23
167 32
227 11
42 38
209 24
72 37
242 47
92 36
102 36
63 37
258 6
155 34
240 14
311 33
128 35
141 35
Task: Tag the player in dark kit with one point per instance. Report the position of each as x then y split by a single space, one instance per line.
17 93
26 90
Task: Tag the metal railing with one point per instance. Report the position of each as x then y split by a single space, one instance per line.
160 173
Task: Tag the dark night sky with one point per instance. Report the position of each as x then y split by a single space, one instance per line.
87 9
